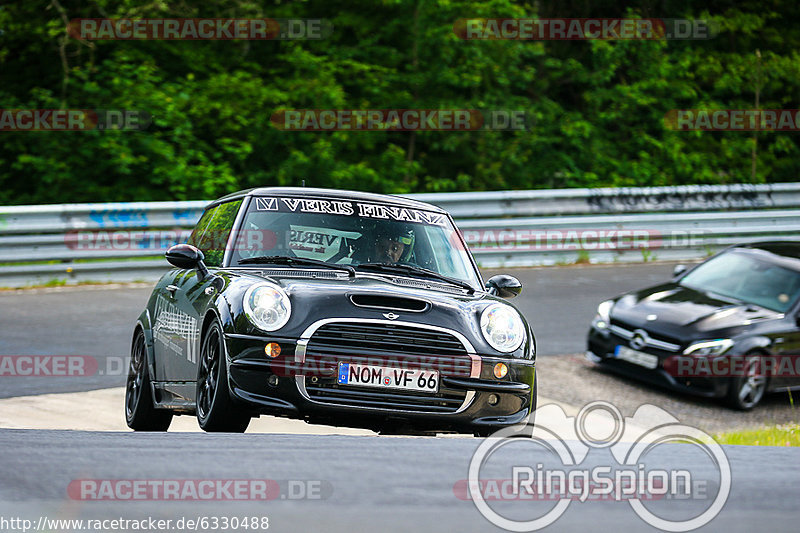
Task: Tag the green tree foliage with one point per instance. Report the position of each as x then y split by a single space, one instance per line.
597 107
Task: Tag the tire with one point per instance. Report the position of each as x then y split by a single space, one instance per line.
745 392
216 411
140 413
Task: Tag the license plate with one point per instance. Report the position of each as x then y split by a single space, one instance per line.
636 357
385 377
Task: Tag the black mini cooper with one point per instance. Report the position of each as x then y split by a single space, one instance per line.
729 327
335 307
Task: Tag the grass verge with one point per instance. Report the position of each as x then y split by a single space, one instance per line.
779 435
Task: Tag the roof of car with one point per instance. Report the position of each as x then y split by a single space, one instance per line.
789 249
311 192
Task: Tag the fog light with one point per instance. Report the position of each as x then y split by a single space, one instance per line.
273 380
493 399
500 370
272 349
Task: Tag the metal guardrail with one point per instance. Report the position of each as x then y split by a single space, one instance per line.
684 198
125 241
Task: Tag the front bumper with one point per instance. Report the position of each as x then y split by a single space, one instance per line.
470 398
600 350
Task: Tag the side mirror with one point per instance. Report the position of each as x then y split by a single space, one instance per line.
504 286
187 257
678 270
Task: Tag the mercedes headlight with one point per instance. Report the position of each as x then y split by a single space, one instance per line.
715 347
603 318
502 327
267 306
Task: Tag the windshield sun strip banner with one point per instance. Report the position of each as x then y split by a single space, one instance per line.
350 208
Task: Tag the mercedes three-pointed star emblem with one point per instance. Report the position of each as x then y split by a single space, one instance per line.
639 339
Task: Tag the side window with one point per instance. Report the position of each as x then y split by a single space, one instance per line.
212 231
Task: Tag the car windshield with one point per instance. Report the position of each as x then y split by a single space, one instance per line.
345 232
745 277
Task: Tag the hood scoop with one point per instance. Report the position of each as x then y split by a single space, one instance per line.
392 303
310 274
425 284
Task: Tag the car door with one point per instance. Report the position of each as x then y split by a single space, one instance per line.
183 322
164 340
192 291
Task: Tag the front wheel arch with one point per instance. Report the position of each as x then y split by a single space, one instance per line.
214 407
141 413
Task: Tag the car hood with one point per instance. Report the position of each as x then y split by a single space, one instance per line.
672 307
333 295
436 293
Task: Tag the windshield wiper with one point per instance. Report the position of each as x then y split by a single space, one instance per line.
294 261
418 271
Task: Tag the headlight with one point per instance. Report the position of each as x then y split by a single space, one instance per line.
715 347
267 307
502 327
603 317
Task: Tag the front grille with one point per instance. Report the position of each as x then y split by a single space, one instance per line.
385 344
660 342
382 339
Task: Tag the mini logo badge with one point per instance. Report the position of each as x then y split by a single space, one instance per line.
391 316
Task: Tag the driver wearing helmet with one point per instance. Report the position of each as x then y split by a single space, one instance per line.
393 244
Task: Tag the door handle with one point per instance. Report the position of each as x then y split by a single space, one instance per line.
172 289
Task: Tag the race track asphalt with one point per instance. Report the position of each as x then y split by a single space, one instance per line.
365 483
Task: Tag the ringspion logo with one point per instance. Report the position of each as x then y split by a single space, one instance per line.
550 463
